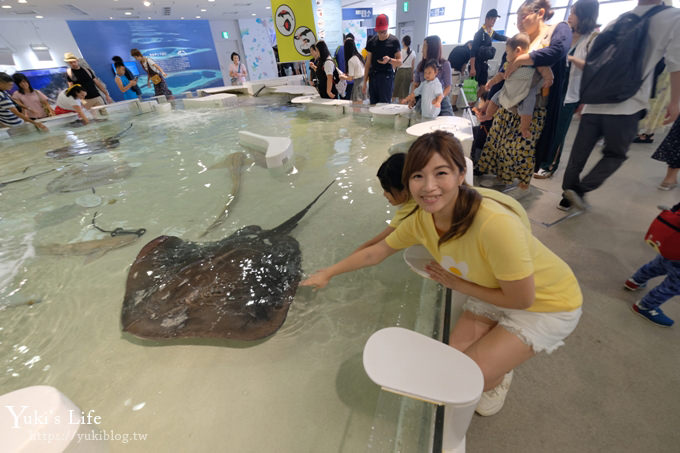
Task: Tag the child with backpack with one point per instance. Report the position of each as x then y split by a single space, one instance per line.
663 235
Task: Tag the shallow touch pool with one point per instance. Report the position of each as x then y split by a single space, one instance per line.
301 390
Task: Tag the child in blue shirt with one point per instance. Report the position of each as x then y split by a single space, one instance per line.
430 91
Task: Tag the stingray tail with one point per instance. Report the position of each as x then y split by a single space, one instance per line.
287 226
120 134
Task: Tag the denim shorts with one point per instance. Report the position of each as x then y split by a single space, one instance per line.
541 331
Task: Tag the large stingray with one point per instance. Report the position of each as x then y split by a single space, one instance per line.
81 148
237 288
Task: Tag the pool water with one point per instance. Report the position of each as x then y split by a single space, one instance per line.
301 390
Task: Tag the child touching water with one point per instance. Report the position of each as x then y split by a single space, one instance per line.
524 299
389 175
521 87
430 91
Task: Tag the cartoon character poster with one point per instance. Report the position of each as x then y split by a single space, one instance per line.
295 30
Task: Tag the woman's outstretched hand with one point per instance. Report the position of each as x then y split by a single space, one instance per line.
441 275
318 280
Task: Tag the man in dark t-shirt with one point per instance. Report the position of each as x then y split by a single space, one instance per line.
86 78
459 57
382 58
482 48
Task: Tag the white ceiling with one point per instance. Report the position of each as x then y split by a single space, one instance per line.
116 9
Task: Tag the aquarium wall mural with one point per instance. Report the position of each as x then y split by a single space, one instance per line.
183 48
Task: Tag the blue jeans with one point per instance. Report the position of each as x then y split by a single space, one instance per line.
666 289
380 86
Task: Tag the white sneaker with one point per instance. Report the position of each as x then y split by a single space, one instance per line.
492 400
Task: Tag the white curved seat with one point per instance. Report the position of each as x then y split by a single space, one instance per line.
48 423
460 127
277 150
411 364
214 101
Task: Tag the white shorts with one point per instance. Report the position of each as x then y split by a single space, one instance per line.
541 331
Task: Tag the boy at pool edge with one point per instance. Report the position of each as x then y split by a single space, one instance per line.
523 299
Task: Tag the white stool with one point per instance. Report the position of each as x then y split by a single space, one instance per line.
42 419
410 364
277 150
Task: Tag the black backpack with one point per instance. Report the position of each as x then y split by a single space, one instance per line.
614 65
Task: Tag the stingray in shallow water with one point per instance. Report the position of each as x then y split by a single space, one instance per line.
81 148
87 176
238 288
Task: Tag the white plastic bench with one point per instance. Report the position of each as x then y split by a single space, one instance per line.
277 150
410 364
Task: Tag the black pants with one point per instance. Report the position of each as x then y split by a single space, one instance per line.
618 132
482 70
380 85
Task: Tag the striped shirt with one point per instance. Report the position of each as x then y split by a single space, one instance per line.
6 116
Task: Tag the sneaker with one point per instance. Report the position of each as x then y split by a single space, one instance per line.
575 199
632 285
543 174
564 205
492 400
654 315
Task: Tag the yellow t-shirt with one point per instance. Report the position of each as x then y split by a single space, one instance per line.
497 246
404 210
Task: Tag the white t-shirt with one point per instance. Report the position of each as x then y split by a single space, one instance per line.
328 66
575 74
408 61
356 69
67 102
664 41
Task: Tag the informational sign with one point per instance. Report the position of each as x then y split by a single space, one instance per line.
356 13
295 29
434 12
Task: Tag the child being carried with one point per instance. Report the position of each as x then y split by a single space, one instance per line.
430 91
521 87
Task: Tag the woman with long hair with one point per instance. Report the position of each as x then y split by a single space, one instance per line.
583 21
404 76
506 153
34 102
523 299
70 100
354 63
324 70
432 50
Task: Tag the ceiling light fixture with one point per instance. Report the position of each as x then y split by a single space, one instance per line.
38 17
22 1
252 14
268 7
198 17
128 13
147 3
203 10
6 6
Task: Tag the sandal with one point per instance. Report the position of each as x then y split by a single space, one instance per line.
543 174
667 186
644 138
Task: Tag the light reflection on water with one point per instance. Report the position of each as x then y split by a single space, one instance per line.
71 338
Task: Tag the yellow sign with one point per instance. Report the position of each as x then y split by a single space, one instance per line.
295 30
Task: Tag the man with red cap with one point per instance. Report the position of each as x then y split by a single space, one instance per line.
382 58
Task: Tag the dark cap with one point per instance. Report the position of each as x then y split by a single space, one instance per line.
381 22
492 13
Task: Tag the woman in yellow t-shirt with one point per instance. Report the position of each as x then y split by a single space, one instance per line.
523 298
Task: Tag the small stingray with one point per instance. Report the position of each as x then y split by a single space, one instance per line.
88 176
234 162
86 148
238 288
56 216
90 249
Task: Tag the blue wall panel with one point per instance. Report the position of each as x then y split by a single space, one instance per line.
183 48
